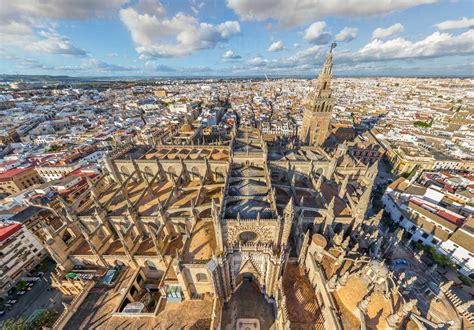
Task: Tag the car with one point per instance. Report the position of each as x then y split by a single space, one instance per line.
30 284
20 293
40 274
2 312
11 302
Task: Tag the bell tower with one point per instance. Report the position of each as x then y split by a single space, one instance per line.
318 108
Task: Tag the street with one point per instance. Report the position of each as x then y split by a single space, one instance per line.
38 298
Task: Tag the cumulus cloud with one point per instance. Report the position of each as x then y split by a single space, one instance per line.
26 24
59 9
295 12
151 33
24 35
381 33
436 45
315 34
463 23
230 55
347 34
54 43
304 60
276 46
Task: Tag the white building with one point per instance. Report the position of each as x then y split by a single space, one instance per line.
424 214
20 251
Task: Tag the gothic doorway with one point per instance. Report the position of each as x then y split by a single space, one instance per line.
248 303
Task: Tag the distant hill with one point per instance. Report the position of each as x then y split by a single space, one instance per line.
38 78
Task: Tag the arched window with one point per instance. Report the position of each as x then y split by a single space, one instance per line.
247 236
150 265
149 172
172 171
124 170
201 277
195 172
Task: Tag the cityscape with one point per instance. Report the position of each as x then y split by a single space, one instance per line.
211 184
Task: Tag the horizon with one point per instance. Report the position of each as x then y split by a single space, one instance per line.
236 38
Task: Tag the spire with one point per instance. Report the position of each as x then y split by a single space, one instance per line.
318 109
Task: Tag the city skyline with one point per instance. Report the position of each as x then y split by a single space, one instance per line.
236 38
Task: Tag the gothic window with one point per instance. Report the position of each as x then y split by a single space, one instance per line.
172 171
195 172
322 106
201 277
150 265
124 170
148 172
247 236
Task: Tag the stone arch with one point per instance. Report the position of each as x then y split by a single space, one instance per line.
150 265
195 172
148 172
319 172
124 171
172 171
219 173
201 277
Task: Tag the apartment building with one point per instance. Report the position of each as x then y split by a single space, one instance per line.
20 251
16 179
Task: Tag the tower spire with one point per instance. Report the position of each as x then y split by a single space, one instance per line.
318 109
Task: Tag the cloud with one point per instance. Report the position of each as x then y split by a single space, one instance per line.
463 23
158 67
276 46
23 35
27 25
294 12
304 60
230 55
54 43
435 45
381 33
101 66
347 34
158 36
196 7
372 55
59 9
315 34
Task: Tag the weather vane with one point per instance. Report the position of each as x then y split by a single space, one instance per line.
333 45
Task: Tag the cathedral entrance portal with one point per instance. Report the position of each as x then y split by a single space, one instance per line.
249 278
248 306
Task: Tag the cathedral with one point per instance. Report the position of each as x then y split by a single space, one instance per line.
199 221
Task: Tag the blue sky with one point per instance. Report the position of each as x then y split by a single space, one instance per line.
236 37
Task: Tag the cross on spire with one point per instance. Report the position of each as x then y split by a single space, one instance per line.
333 45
